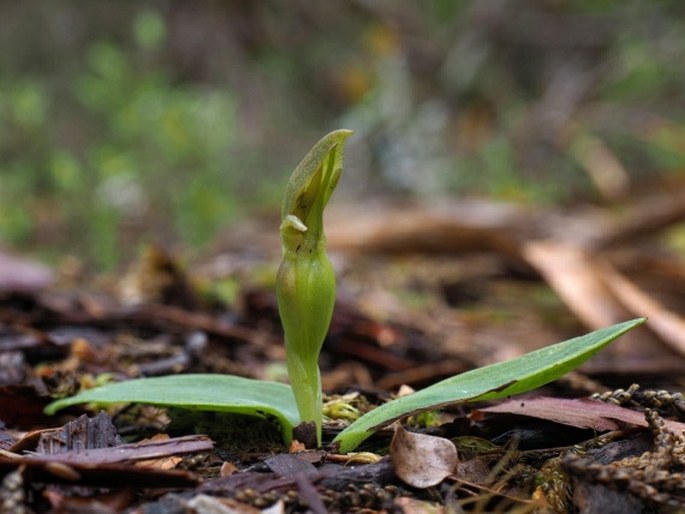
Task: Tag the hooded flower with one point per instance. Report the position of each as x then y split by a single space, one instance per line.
305 284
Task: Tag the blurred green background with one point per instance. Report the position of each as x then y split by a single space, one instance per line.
123 122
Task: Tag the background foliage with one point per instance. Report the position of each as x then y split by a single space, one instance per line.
126 121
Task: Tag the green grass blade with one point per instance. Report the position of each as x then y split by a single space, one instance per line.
498 380
223 393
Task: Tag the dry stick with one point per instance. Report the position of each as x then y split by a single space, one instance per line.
650 216
666 324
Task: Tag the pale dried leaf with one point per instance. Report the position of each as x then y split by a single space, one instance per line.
205 504
421 460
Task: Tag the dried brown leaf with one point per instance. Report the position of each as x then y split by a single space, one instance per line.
167 462
581 413
421 460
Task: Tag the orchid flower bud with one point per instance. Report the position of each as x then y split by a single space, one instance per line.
305 285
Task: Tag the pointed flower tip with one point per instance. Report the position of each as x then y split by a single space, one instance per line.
303 187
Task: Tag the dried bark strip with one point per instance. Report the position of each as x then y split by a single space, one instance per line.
129 452
97 474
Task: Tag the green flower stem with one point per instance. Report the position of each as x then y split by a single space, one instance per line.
306 295
305 381
305 285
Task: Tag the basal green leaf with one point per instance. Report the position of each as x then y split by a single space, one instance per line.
498 380
223 393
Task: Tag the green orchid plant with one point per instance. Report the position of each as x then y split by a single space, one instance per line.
305 285
306 296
